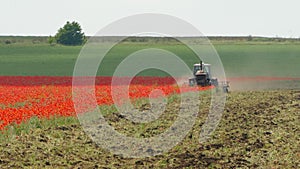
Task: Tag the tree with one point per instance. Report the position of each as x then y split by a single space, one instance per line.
250 38
70 34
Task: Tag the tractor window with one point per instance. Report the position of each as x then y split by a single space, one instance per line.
196 68
206 69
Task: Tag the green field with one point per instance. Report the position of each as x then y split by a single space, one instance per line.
261 60
37 58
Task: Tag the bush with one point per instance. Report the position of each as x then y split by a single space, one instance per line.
7 42
51 40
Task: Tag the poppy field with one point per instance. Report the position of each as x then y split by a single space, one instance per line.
23 97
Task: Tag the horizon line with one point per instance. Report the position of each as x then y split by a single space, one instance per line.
189 36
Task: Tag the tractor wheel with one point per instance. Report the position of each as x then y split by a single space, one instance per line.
225 89
192 82
215 82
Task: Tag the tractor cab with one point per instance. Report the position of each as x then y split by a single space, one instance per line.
202 77
202 68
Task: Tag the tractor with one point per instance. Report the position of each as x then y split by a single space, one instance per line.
202 77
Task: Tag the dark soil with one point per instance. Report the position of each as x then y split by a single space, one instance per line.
258 130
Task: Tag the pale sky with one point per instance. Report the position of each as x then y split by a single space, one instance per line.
211 17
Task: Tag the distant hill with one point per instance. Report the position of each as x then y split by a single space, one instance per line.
7 40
